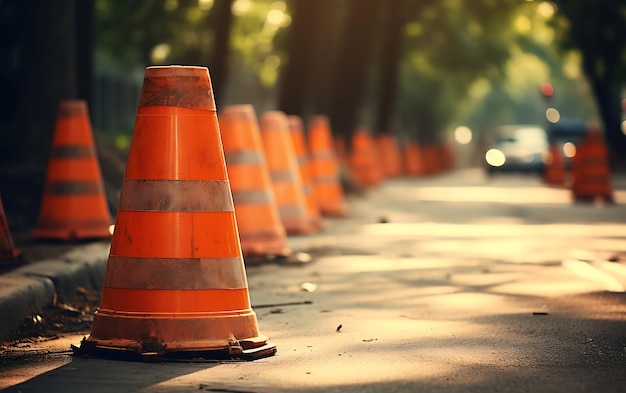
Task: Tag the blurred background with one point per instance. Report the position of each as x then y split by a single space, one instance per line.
444 71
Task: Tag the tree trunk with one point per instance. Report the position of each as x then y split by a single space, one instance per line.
84 49
389 63
297 75
222 19
349 82
608 98
47 74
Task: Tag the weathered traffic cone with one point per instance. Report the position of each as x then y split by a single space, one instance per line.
413 159
261 231
364 161
389 155
325 169
8 252
431 159
446 154
175 284
74 205
591 176
285 173
554 174
304 163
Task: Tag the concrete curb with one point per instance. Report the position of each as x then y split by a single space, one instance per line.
34 286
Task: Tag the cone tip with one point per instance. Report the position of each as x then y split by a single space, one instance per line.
295 122
238 108
179 86
72 108
272 120
176 70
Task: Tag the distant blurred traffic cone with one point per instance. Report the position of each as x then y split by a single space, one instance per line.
364 159
446 155
341 152
175 284
304 163
413 159
74 205
591 177
430 159
389 155
555 169
261 231
326 181
8 252
285 173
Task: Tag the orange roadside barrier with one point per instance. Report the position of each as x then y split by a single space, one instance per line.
304 163
325 169
364 161
285 173
554 174
175 284
261 231
74 205
591 177
8 252
389 155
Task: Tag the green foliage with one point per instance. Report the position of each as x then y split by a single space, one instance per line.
451 44
255 40
136 32
481 63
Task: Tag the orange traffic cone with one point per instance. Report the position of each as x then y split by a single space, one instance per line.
74 205
364 160
591 177
8 252
389 155
446 156
285 173
325 168
413 159
261 231
431 159
341 151
555 169
302 154
175 284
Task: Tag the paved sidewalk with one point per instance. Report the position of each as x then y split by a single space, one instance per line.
430 285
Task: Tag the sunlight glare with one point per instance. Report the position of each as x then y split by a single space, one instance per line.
205 5
546 9
495 157
275 17
569 149
553 115
240 7
463 135
160 52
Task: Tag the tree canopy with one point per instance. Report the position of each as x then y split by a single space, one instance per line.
413 67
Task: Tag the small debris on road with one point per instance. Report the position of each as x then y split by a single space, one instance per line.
308 286
339 327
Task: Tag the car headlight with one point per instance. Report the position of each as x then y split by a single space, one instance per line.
495 157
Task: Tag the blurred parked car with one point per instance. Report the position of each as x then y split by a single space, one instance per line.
517 148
